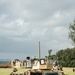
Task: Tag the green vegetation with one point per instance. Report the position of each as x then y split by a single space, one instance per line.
72 32
66 57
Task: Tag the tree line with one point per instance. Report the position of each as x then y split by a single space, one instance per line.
66 57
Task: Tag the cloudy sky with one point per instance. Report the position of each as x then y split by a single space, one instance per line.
25 22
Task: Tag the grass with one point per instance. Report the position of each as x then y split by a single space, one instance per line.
68 71
7 71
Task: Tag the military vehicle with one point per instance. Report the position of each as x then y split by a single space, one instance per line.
42 67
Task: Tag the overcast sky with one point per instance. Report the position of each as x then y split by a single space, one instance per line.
25 22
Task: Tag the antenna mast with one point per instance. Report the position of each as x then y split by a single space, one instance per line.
39 50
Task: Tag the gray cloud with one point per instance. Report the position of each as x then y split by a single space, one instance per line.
24 22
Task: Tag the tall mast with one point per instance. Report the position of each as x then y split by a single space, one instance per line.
39 50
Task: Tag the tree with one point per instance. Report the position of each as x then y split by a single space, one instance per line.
72 32
66 57
49 52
